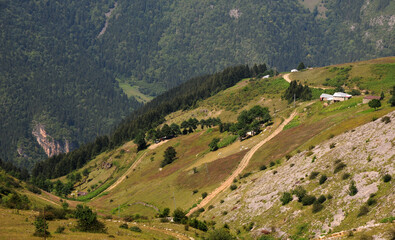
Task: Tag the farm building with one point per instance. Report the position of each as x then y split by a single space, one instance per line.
326 97
340 96
367 99
294 70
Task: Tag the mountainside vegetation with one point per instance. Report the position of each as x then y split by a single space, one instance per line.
63 62
48 78
326 165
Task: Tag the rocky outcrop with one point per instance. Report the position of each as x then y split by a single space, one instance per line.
49 144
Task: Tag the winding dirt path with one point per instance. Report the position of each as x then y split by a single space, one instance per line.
243 164
134 165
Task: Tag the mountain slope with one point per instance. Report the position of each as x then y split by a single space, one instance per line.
48 80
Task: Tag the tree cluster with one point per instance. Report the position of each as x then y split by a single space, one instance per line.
248 120
298 92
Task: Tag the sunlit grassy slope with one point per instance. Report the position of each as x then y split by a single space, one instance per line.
197 170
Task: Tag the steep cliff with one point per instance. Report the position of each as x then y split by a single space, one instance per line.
50 145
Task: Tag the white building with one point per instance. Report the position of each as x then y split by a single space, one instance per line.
340 96
294 70
326 97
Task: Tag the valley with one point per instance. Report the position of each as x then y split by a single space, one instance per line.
316 169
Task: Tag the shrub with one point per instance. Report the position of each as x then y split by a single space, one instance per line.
317 207
204 195
340 166
331 136
135 229
352 190
313 175
346 176
195 191
233 187
210 207
87 220
323 179
33 189
263 167
363 211
309 153
386 119
200 210
332 145
60 229
308 200
286 198
214 144
179 216
224 213
41 227
272 164
220 234
321 199
311 147
387 178
329 196
300 192
371 201
124 226
222 201
288 156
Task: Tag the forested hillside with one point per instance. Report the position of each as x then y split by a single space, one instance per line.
158 44
47 77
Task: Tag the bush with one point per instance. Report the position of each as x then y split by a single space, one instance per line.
387 178
135 229
313 175
352 190
346 176
340 166
317 207
286 198
321 199
323 179
179 216
288 156
332 145
308 200
224 213
272 164
220 234
41 227
60 229
195 191
363 211
263 167
87 220
300 192
33 189
210 207
386 119
233 187
124 226
214 144
371 201
204 195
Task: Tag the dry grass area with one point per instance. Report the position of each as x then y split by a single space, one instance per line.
19 225
368 154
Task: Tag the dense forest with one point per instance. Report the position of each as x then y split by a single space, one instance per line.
48 77
61 68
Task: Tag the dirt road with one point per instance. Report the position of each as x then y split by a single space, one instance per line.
134 165
243 164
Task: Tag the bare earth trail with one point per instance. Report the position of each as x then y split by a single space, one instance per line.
288 79
134 165
243 164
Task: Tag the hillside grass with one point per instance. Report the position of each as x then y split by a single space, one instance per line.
133 91
19 225
374 75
